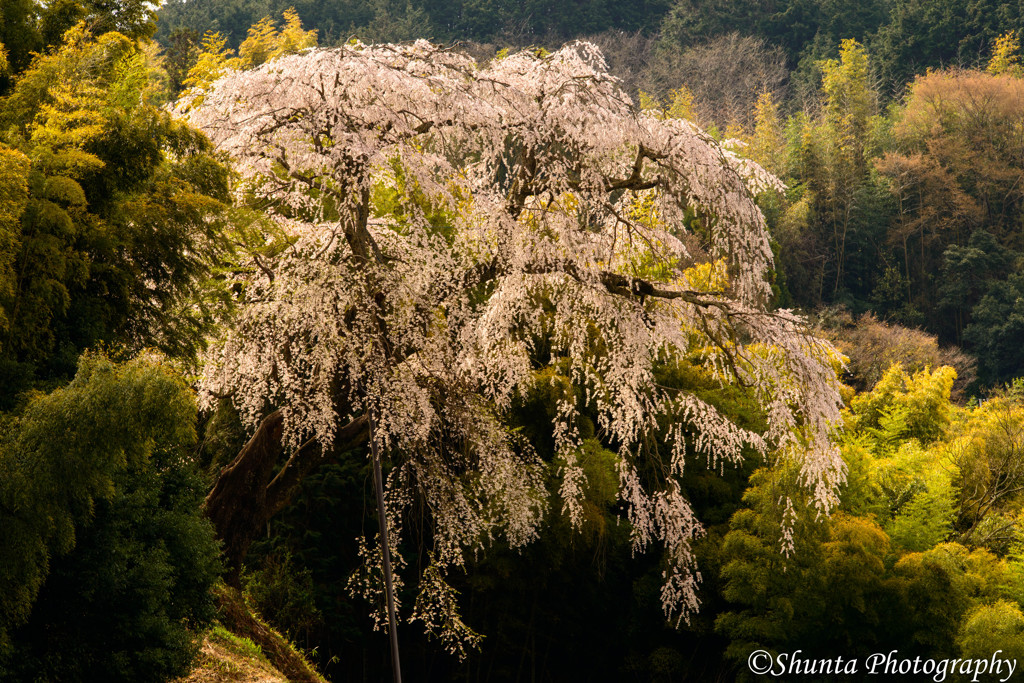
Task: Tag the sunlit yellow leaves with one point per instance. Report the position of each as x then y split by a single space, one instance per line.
259 44
263 43
850 102
69 121
707 277
137 77
1005 58
292 38
644 209
213 62
768 144
902 406
679 104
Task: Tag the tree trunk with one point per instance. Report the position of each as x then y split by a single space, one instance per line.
237 503
247 494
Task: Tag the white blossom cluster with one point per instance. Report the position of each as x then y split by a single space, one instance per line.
756 177
453 228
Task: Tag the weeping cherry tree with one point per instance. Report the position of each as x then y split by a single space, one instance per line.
452 228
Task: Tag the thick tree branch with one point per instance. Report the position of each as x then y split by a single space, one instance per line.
614 283
307 458
635 180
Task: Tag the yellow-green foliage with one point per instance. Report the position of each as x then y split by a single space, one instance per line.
708 277
996 627
239 645
975 575
678 106
213 61
849 100
14 168
263 43
902 406
986 450
925 551
259 44
831 577
900 474
115 202
927 469
768 144
648 260
939 586
1005 58
927 517
401 199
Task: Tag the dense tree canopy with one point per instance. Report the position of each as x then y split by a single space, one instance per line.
107 563
917 559
107 233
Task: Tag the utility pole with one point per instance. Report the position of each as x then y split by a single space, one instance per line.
378 481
